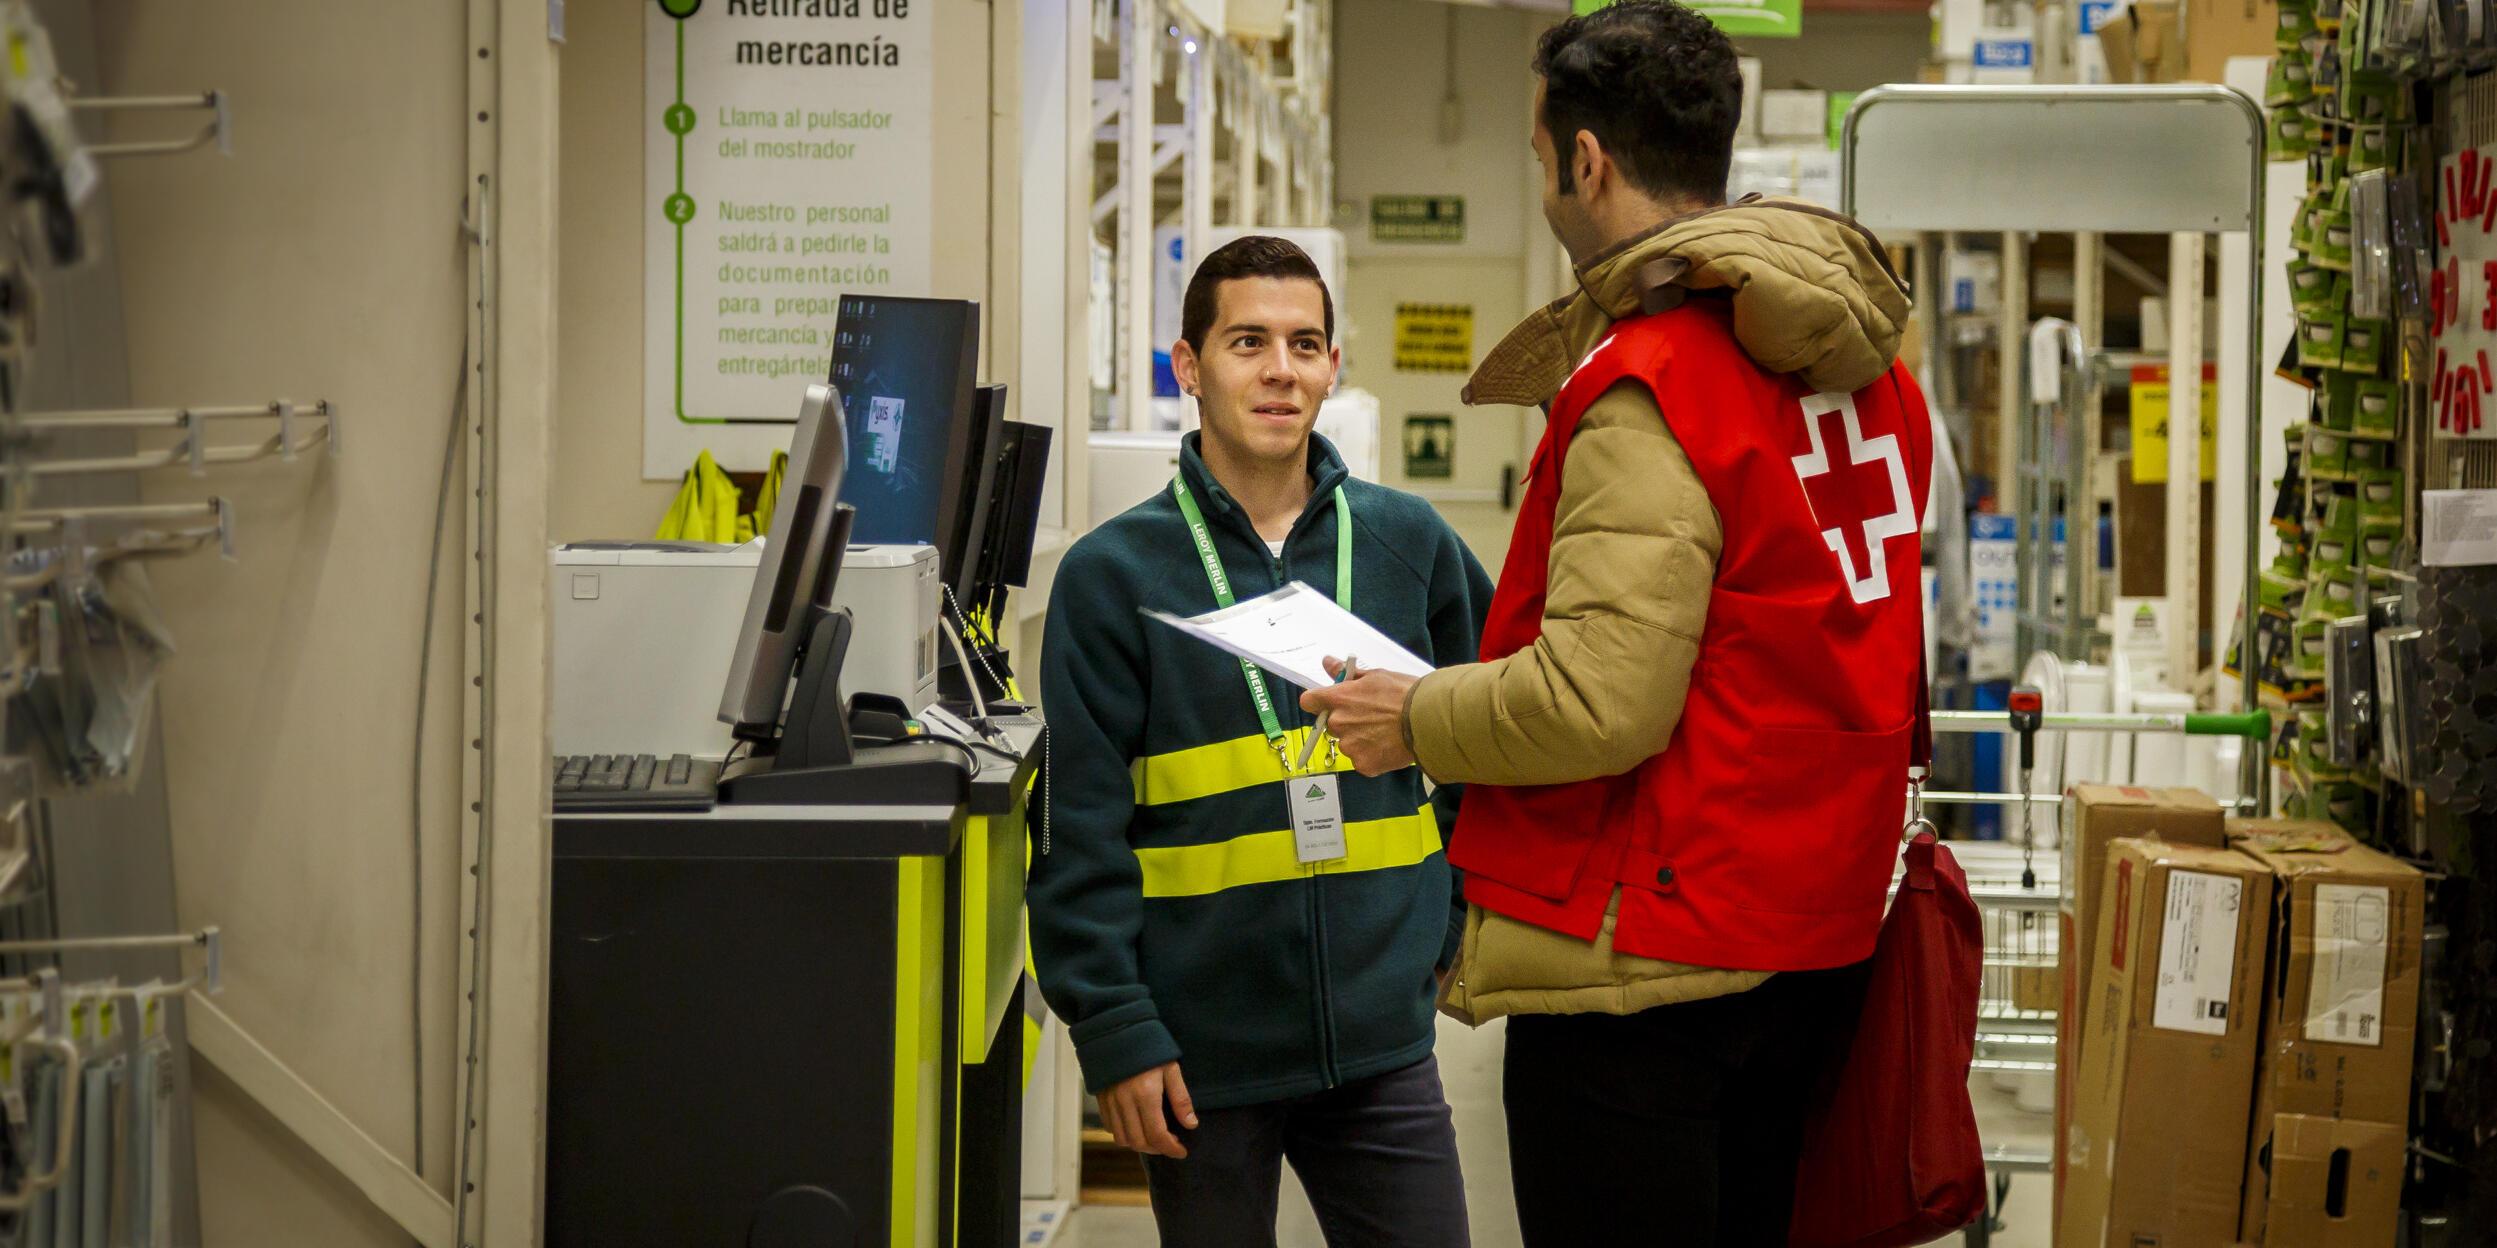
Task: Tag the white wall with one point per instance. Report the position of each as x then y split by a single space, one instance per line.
1391 76
322 260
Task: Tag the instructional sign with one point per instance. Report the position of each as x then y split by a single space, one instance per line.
1434 337
788 159
1417 218
2150 423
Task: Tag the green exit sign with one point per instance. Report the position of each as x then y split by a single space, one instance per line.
1418 218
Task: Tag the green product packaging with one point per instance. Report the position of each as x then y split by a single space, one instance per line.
2327 454
2292 136
2319 340
2332 241
2291 80
2310 288
2369 148
2336 401
2380 499
2362 346
2376 409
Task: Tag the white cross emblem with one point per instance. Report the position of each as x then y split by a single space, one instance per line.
1836 503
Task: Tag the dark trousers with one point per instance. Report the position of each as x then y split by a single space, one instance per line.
1378 1158
1679 1125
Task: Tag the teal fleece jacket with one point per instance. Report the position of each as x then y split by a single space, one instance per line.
1170 917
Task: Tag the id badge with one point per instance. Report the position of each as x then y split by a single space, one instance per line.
1317 819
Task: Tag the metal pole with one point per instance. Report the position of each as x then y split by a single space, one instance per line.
2184 494
1135 220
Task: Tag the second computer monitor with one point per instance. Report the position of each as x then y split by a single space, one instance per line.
904 368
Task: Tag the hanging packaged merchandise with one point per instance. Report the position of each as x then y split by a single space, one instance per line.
2333 556
2291 137
2291 80
2310 288
2319 340
2380 497
2327 455
2382 548
2376 409
2297 22
2366 455
2335 400
2306 660
2362 346
2332 241
89 705
2371 245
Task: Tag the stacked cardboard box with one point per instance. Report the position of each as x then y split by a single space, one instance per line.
2157 1145
2095 816
2341 1002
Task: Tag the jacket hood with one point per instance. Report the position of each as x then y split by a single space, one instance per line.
1813 294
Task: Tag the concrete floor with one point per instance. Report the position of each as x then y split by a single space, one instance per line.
1470 1067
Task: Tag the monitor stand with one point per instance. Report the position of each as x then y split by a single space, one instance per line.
817 760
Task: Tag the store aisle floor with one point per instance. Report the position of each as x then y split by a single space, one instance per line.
1470 1064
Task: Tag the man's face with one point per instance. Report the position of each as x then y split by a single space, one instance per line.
1566 212
1266 366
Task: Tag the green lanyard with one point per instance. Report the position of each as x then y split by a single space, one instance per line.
1221 583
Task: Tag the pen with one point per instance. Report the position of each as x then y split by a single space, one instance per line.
1309 749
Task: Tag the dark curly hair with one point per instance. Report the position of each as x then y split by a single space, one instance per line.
1253 255
1656 84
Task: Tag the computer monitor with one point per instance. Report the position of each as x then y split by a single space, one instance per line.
904 368
1014 505
801 564
961 550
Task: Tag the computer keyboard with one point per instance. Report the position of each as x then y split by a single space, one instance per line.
635 782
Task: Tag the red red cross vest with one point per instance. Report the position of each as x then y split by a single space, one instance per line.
1763 837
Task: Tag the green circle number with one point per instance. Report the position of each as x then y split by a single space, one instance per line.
679 119
679 208
680 9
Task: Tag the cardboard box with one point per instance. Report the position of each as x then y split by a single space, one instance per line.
2336 1183
2156 1151
2216 30
2341 1003
2141 45
2094 817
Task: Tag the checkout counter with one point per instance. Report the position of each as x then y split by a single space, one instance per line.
783 1021
785 1026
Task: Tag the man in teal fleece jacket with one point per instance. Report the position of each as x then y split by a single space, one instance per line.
1245 982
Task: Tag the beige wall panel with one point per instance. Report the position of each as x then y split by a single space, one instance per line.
1391 74
323 259
269 1189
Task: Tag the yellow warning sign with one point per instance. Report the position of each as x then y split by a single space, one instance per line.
1434 337
2150 423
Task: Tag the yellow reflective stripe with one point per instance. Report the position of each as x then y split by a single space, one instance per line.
1223 767
1266 857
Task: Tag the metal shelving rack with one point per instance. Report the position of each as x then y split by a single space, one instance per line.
1251 132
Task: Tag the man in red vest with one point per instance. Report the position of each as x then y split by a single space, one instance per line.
1687 743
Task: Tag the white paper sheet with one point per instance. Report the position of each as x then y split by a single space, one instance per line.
1292 632
2459 528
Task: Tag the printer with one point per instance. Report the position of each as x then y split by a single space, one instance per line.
645 630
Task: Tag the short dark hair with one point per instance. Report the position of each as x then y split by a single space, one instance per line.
1656 83
1253 255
